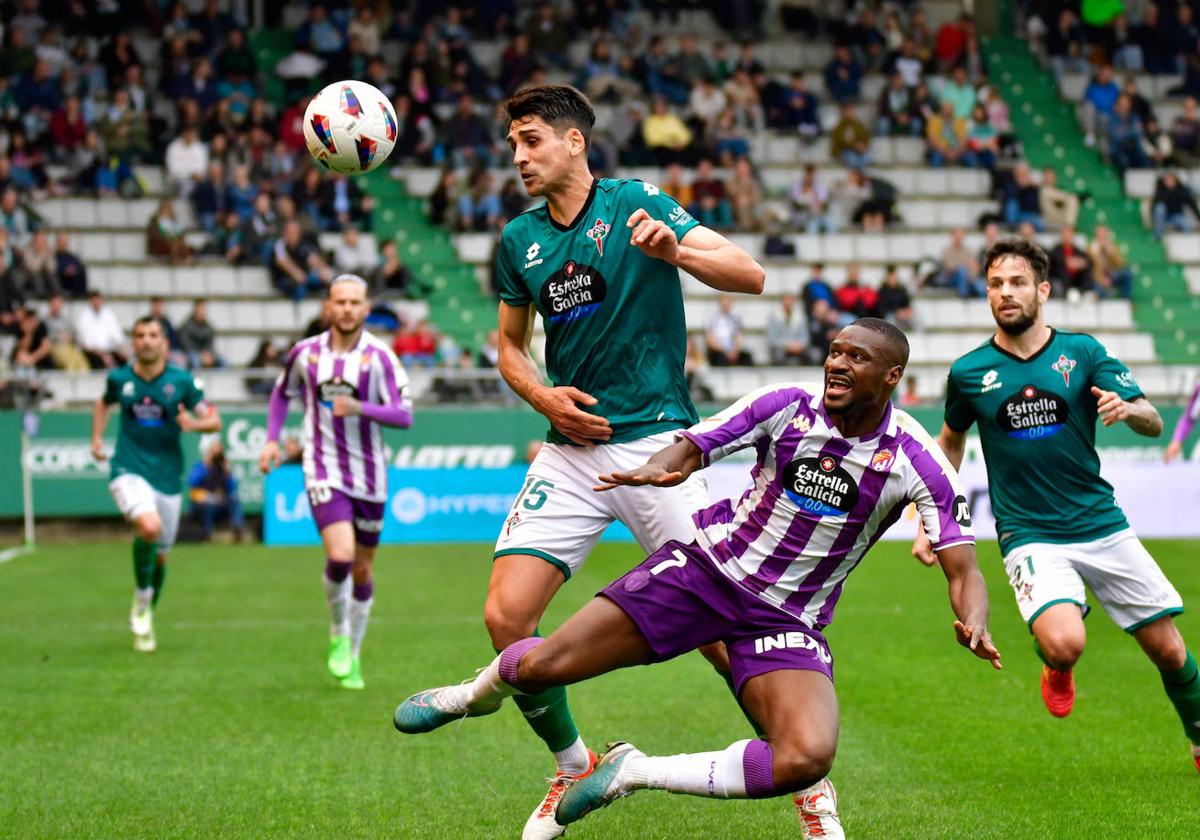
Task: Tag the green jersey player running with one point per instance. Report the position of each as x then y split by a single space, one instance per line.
157 401
1035 393
599 260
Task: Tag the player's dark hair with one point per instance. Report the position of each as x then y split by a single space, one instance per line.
146 319
560 106
1015 246
896 339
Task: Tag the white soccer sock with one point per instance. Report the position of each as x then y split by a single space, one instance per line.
360 612
144 597
713 774
488 685
338 595
574 759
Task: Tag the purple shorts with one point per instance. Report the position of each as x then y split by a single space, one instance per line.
366 517
680 601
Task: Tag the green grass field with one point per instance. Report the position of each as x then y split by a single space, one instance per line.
233 729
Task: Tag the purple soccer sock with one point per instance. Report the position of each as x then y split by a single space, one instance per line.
364 591
510 660
756 766
337 570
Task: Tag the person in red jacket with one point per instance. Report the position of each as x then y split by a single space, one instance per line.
853 297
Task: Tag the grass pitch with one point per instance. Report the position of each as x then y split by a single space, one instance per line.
233 729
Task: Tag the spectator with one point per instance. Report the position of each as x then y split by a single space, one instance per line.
258 236
824 323
99 334
1185 135
843 76
268 359
70 270
958 270
63 348
745 196
711 200
186 161
959 92
728 139
165 235
665 134
1022 200
1150 37
894 301
1065 45
1183 37
1070 267
241 192
1109 268
213 493
846 199
1173 205
1125 137
787 333
849 141
983 140
853 297
910 397
707 101
14 218
674 186
198 338
810 203
803 108
467 136
210 200
479 209
32 350
1157 144
1058 207
724 336
158 311
125 130
392 275
1099 99
744 100
894 112
416 346
354 254
947 138
321 322
950 45
37 276
441 201
68 129
817 288
297 265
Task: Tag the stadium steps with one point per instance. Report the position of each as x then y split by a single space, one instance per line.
457 304
1052 137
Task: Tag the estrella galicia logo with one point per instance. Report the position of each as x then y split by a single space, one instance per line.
1032 414
820 486
574 291
336 387
147 413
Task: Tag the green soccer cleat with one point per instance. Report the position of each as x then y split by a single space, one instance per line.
598 788
354 680
340 659
427 710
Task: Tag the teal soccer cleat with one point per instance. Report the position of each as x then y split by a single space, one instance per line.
598 788
428 710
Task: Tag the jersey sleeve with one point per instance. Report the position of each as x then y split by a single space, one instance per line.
289 378
760 414
958 415
393 385
508 280
112 388
194 395
644 195
934 487
1110 374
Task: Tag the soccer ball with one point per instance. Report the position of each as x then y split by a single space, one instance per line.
350 127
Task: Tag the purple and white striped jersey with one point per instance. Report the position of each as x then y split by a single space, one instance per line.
1188 419
819 500
345 453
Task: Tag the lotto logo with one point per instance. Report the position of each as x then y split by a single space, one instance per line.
532 252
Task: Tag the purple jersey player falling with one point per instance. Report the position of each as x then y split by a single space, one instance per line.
819 500
346 453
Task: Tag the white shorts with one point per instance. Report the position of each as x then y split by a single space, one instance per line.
1121 573
559 517
134 496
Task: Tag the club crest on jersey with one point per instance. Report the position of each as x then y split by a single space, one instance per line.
127 389
882 460
597 234
1064 366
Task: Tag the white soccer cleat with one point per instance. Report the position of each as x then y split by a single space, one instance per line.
817 813
541 824
145 643
141 622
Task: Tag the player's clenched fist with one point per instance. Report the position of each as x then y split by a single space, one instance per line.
1110 406
268 459
653 237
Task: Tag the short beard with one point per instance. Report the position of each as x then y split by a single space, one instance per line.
345 333
1018 327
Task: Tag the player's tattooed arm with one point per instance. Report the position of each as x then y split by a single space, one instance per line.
205 419
968 598
560 405
705 254
666 468
1138 415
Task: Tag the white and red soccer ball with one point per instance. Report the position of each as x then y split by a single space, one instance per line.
350 127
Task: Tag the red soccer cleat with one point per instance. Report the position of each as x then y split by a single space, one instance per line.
1058 691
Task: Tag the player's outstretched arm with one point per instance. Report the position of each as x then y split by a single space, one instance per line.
559 405
969 599
1138 415
954 445
277 411
703 253
100 414
205 419
666 468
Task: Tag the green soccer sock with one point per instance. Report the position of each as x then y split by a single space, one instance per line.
145 554
548 715
758 730
160 575
1183 689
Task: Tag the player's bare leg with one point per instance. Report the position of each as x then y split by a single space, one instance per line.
1060 637
1164 645
362 597
338 541
800 718
147 531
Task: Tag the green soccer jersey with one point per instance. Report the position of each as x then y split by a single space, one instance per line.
147 434
1037 424
613 316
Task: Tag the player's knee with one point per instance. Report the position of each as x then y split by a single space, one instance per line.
1168 653
1062 649
542 667
797 766
505 625
718 657
149 529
